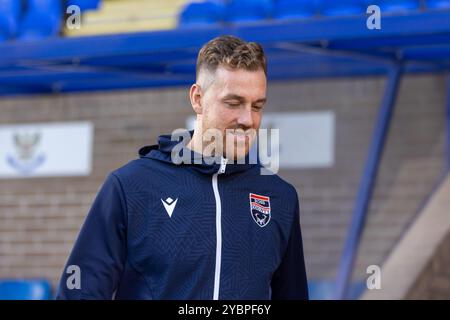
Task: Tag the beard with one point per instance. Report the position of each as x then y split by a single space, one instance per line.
233 142
237 142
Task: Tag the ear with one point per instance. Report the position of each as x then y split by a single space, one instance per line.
196 94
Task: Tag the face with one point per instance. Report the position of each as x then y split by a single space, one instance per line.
233 104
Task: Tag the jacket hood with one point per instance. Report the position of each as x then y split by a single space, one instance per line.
163 151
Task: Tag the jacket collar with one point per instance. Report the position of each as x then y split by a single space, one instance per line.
162 152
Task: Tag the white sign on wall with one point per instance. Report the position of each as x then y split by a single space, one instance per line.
46 149
306 138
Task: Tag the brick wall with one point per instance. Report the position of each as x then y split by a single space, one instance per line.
40 217
411 165
434 282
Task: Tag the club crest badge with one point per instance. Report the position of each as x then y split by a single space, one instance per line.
260 209
27 159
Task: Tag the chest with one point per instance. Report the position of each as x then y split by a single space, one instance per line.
176 225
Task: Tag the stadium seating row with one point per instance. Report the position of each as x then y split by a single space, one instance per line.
25 289
39 289
128 16
34 19
213 11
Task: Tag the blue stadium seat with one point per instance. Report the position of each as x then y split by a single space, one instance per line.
321 290
10 11
395 5
325 289
294 9
438 4
85 4
25 290
342 7
201 13
248 10
42 19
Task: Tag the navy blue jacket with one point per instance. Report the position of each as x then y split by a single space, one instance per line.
158 230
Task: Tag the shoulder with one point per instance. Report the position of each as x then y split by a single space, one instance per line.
278 184
287 192
135 172
133 167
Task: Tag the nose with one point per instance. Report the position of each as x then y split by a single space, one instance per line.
245 118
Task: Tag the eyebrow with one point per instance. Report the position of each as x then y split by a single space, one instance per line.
233 96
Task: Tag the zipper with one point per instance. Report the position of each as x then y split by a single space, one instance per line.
223 164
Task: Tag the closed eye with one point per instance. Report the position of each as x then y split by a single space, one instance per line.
233 104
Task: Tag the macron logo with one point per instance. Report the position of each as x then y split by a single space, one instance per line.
169 205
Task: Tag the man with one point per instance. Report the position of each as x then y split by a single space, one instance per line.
164 229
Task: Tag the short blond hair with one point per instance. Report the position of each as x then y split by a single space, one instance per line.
233 53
